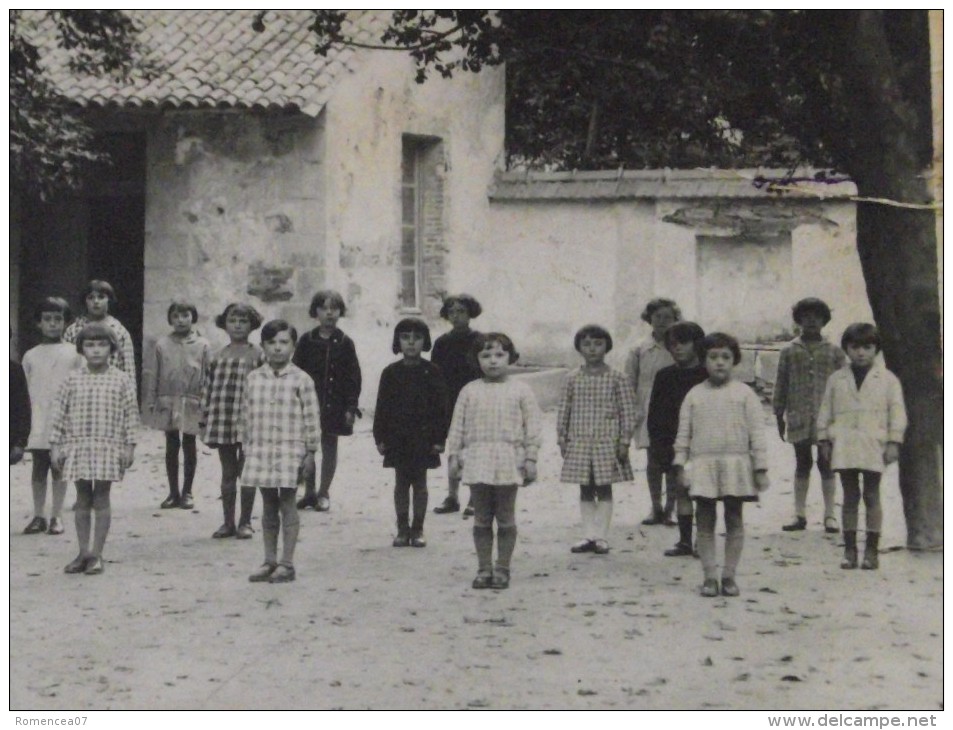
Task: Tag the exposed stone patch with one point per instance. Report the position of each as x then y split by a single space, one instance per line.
270 283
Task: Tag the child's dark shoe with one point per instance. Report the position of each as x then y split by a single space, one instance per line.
171 502
282 574
94 566
308 500
56 527
323 504
468 511
78 565
483 580
850 559
668 520
418 540
600 547
830 525
37 525
729 587
224 531
583 546
710 588
244 532
263 573
500 580
799 524
656 518
870 562
448 506
680 550
402 540
186 502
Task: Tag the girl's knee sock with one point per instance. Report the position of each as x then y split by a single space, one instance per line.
402 506
248 505
39 498
101 529
59 497
483 542
587 515
189 462
801 484
829 490
654 477
706 551
228 505
734 543
172 468
269 532
421 495
290 524
685 529
505 545
82 518
603 518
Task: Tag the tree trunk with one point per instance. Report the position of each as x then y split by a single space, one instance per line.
898 253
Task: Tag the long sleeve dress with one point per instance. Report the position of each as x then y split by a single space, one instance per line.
411 415
95 417
173 373
671 386
333 366
860 421
47 366
223 390
596 414
803 370
495 427
721 434
453 354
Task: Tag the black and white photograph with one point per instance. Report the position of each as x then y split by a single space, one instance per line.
458 360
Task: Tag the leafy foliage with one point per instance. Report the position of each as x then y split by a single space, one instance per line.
50 144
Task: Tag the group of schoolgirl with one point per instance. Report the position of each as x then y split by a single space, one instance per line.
267 412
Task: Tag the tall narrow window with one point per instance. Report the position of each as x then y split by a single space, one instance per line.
410 229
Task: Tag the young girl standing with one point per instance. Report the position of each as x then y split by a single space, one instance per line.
493 442
721 435
671 385
221 403
46 367
648 357
803 369
410 425
330 358
594 426
860 428
453 354
172 396
279 431
94 431
100 298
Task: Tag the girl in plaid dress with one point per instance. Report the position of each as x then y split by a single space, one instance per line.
721 435
595 424
279 430
221 401
100 298
493 442
172 379
93 438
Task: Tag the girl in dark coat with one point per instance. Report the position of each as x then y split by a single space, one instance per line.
410 425
453 354
329 357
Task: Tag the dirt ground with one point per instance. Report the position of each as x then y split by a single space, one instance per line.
174 624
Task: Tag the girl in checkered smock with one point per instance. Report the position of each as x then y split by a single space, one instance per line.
221 401
721 456
493 442
279 430
595 424
93 438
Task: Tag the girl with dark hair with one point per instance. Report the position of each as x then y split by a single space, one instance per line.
172 377
100 298
721 439
222 394
410 425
